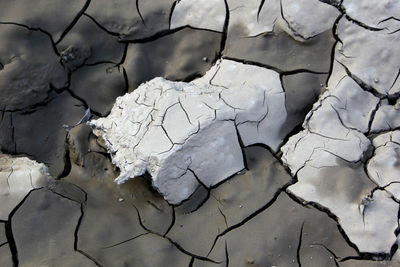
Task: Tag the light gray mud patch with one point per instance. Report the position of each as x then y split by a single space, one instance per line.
278 50
182 56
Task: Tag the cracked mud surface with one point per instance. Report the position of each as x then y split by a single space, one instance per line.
242 133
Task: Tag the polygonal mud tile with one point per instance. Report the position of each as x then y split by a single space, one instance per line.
279 50
230 203
304 24
272 238
55 17
201 14
245 193
364 61
387 117
130 19
99 86
18 176
111 214
31 69
374 13
87 43
183 55
43 229
145 250
40 133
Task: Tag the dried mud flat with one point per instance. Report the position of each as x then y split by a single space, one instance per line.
305 174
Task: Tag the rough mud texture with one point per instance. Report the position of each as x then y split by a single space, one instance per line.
18 177
168 124
247 133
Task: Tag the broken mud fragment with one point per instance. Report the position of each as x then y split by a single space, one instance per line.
182 117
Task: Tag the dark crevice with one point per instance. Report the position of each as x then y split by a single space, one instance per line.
395 80
191 262
384 131
361 24
74 21
83 101
226 255
297 71
53 44
339 6
372 117
89 257
224 36
126 80
66 158
4 243
9 232
189 253
76 232
361 83
361 255
98 63
220 211
138 11
163 33
252 215
126 241
64 196
242 146
299 245
179 247
101 26
297 129
172 221
122 61
337 40
260 8
171 12
295 33
205 187
270 67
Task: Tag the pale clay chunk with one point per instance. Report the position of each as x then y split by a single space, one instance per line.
184 134
326 157
387 117
18 176
203 14
384 166
376 62
374 13
306 24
